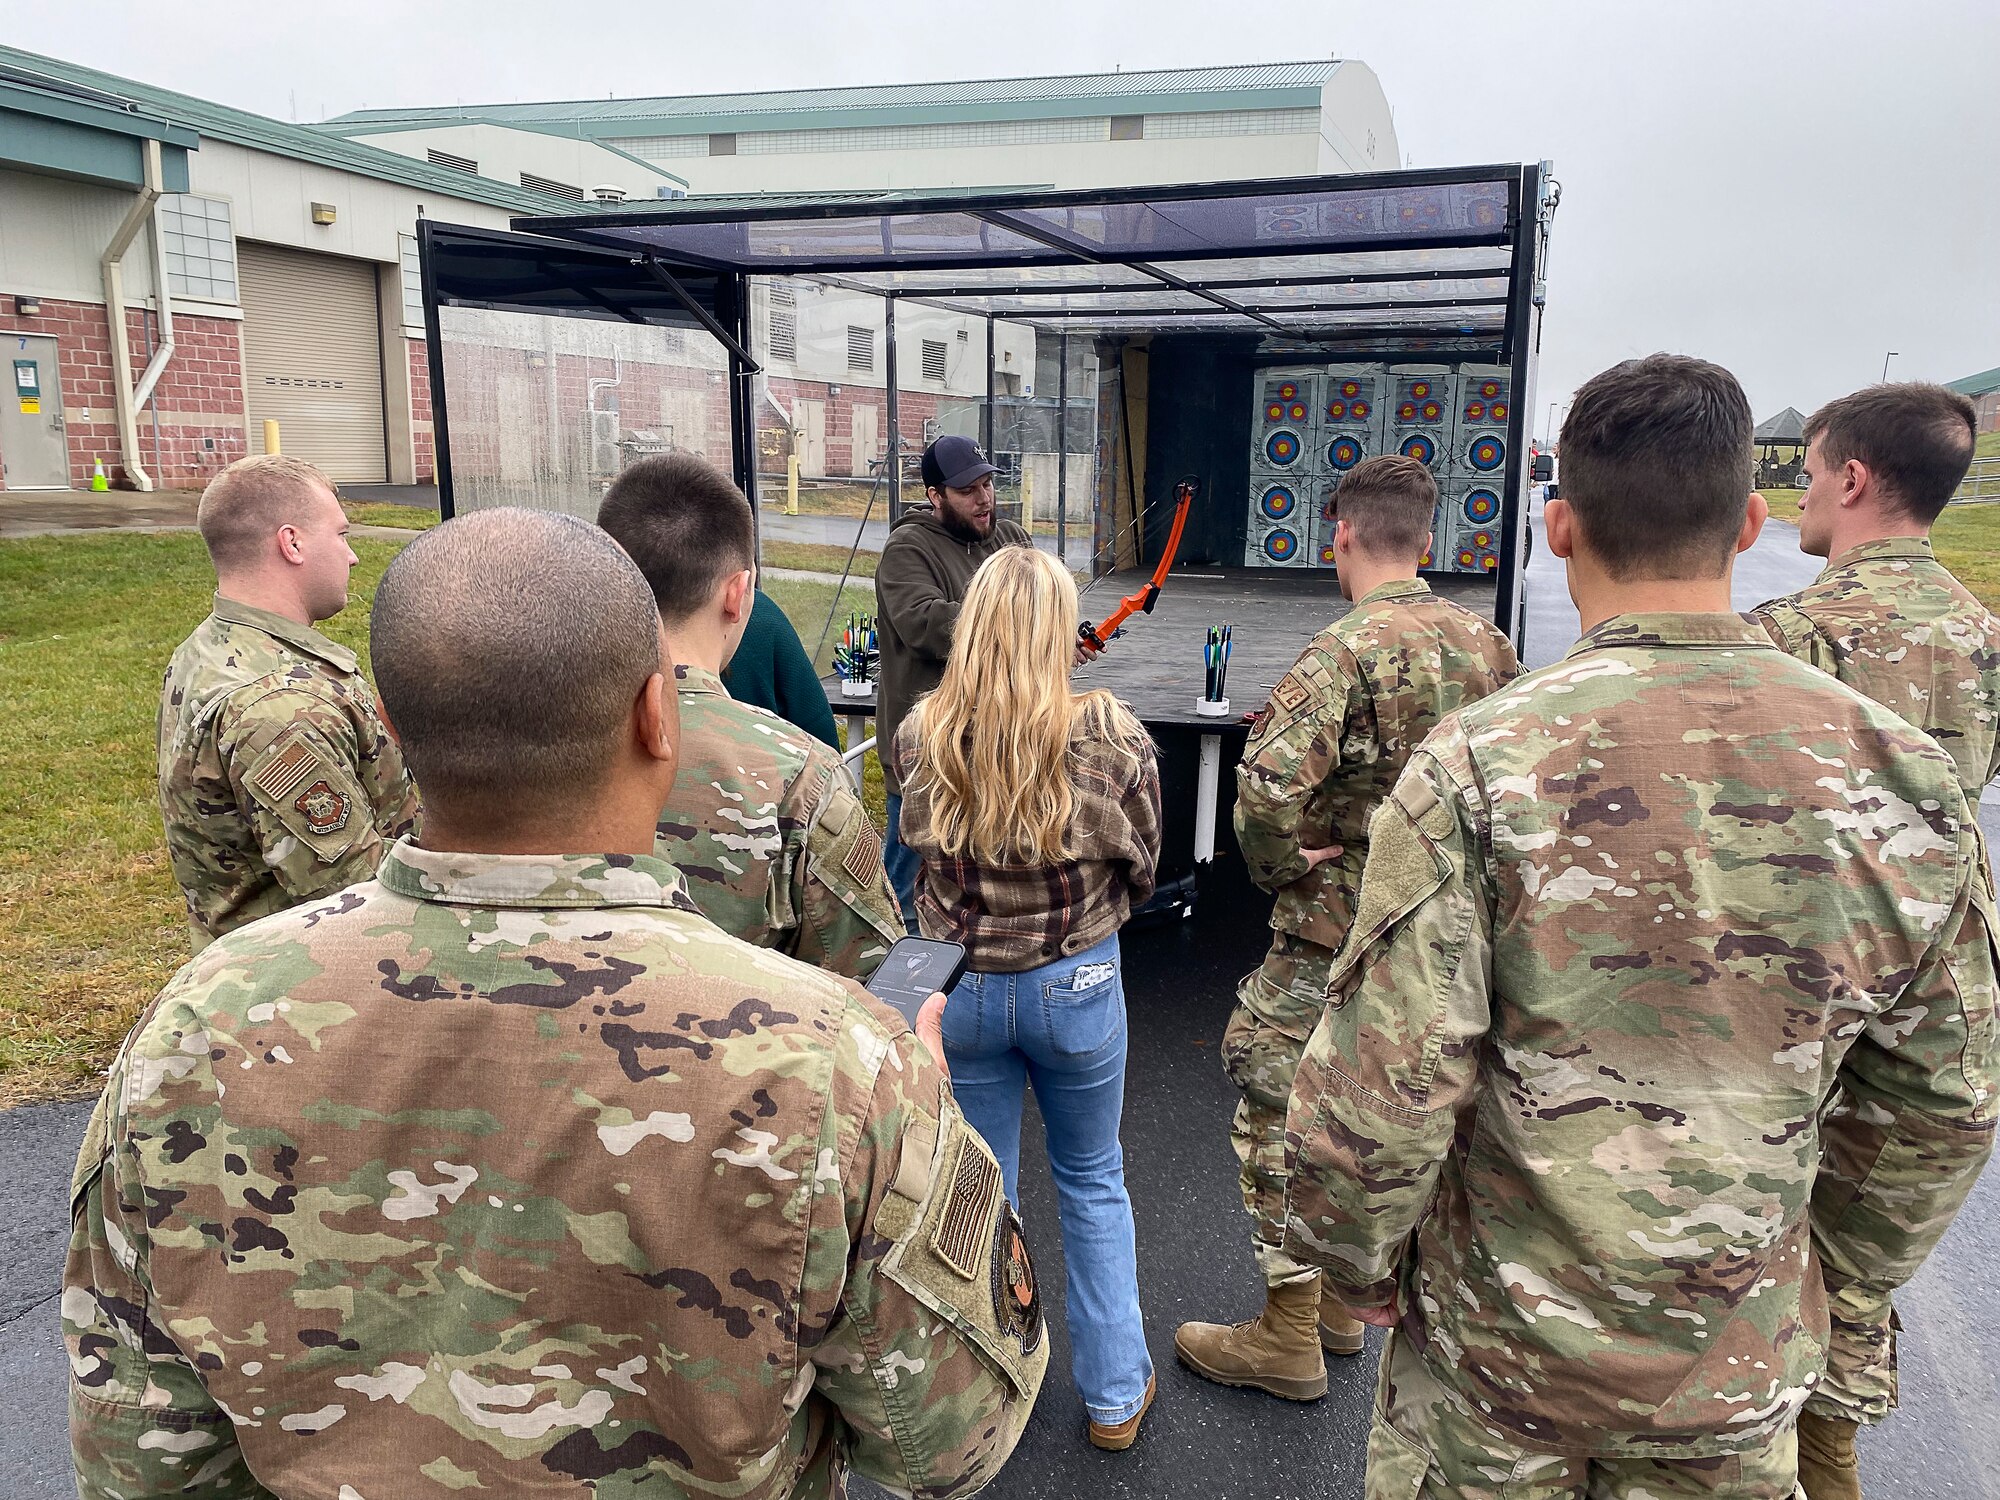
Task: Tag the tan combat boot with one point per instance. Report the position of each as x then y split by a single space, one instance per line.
1827 1468
1340 1332
1277 1352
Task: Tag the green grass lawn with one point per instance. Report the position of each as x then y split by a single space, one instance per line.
91 923
377 513
1967 538
829 499
819 558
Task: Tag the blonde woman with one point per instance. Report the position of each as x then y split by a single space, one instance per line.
1036 813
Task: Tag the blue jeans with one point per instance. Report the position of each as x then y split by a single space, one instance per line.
900 863
1061 1028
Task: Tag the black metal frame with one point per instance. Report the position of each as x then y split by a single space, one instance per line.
1512 344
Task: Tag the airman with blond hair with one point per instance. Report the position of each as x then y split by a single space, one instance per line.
278 782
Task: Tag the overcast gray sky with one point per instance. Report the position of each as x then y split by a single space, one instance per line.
1791 189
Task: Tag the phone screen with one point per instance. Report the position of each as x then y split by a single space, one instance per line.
914 968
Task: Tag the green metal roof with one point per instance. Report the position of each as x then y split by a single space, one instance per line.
51 127
261 133
1976 385
1288 85
545 127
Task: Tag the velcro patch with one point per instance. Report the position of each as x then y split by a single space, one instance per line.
324 808
863 859
284 773
1290 695
961 1235
1017 1301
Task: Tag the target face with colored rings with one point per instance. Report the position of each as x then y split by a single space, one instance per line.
1336 409
1425 561
1482 505
1467 558
1275 412
1482 539
1487 453
1287 391
1420 390
1407 412
1474 410
1326 557
1489 389
1277 502
1432 411
1280 544
1489 562
1421 448
1344 452
1360 410
1350 388
1282 448
1298 411
1499 411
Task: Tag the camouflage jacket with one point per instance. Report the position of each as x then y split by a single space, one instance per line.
1340 726
278 782
1889 620
776 848
514 1174
1626 925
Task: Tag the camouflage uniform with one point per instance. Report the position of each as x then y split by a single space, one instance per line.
1626 924
776 848
1341 723
278 782
1890 621
513 1174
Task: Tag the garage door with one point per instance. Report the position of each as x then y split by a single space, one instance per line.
313 352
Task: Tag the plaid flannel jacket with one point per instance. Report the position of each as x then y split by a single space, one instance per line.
1014 917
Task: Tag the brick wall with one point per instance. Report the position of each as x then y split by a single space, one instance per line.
422 437
913 409
199 397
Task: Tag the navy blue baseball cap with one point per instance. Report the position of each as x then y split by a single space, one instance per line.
952 463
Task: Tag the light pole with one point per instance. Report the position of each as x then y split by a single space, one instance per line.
1550 426
1885 362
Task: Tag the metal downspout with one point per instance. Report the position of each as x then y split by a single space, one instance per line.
112 265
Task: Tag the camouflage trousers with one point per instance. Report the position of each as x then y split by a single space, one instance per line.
1425 1445
1860 1380
1277 1007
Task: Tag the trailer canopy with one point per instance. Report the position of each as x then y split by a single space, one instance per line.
1404 263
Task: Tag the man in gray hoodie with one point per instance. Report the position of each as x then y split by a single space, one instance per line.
926 565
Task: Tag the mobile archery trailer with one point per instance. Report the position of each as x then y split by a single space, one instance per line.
1261 337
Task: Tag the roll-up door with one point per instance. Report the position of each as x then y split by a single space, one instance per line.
312 349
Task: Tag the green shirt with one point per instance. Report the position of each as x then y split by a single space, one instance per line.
771 670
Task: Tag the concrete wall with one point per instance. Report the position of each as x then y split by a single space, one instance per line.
1357 129
824 314
1061 164
504 154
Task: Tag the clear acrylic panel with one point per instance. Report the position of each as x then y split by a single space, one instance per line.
545 412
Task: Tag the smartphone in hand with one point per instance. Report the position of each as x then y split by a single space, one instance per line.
914 968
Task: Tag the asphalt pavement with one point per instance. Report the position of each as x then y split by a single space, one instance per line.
1194 1258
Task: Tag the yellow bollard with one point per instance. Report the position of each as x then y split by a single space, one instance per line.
271 437
792 485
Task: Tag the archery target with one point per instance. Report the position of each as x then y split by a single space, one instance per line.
1344 450
1482 505
1485 452
1277 502
1275 545
1422 447
1282 448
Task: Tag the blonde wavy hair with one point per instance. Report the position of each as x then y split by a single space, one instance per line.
993 741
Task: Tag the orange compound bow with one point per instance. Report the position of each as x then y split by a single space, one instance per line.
1141 601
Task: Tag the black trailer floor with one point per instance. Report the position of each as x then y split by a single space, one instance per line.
1156 664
